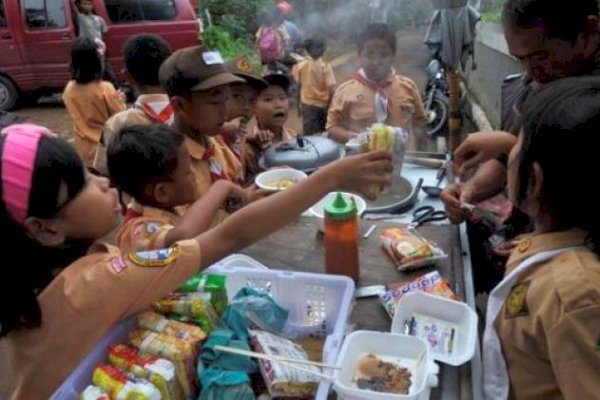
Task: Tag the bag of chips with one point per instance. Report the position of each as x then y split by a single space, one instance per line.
160 372
180 352
94 393
281 379
158 323
120 385
192 308
430 283
409 250
213 285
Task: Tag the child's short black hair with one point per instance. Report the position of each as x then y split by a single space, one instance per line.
142 154
277 78
560 133
86 65
377 31
315 46
144 54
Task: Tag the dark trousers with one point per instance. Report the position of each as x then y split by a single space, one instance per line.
313 119
109 74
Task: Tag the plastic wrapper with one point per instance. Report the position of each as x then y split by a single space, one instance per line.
94 393
120 385
440 335
158 323
180 352
409 250
160 372
213 285
281 379
430 283
192 308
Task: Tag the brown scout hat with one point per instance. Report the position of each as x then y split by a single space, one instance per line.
242 66
194 69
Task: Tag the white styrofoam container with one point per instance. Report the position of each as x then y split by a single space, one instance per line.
408 349
330 295
452 311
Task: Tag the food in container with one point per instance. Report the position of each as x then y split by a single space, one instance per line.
408 249
381 374
278 179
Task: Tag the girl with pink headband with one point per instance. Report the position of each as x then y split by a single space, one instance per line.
62 290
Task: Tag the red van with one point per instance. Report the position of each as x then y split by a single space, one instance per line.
36 37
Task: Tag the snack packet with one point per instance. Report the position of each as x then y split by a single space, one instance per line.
160 372
191 307
180 352
213 285
94 393
430 283
120 385
158 323
410 250
440 334
281 379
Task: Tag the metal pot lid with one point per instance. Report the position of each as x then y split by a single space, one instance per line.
306 154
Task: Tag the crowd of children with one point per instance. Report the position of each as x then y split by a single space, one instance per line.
186 153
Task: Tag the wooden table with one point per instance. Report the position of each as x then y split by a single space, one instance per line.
299 247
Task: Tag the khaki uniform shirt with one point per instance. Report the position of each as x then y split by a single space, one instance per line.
146 228
316 79
549 326
90 106
84 301
353 106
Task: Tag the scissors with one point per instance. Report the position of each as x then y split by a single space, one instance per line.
425 214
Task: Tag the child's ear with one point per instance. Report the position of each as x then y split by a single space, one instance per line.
161 193
46 231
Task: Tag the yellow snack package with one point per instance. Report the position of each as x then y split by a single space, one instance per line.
158 323
410 250
180 352
159 371
119 385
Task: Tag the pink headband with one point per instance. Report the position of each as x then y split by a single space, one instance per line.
18 161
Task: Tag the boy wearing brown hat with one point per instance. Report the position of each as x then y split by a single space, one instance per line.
197 82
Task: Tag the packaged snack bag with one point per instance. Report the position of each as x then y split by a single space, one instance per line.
431 283
94 393
158 323
409 250
160 372
191 307
281 379
213 285
180 352
119 385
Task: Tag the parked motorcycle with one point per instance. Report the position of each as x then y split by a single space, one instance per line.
436 98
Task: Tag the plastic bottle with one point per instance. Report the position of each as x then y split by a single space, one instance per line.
341 238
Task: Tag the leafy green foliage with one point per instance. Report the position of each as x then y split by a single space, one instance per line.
219 39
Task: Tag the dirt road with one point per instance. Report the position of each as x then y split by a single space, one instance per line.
410 61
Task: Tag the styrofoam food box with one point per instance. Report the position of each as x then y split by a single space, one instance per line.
406 349
328 295
451 311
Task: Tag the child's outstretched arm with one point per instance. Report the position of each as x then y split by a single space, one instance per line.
199 216
358 173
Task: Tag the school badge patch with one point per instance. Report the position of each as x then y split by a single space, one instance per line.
155 258
516 302
118 265
151 228
244 65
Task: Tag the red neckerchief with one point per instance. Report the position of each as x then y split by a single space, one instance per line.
381 89
164 116
130 214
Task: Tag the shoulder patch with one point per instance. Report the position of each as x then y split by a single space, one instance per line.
118 265
516 302
155 258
